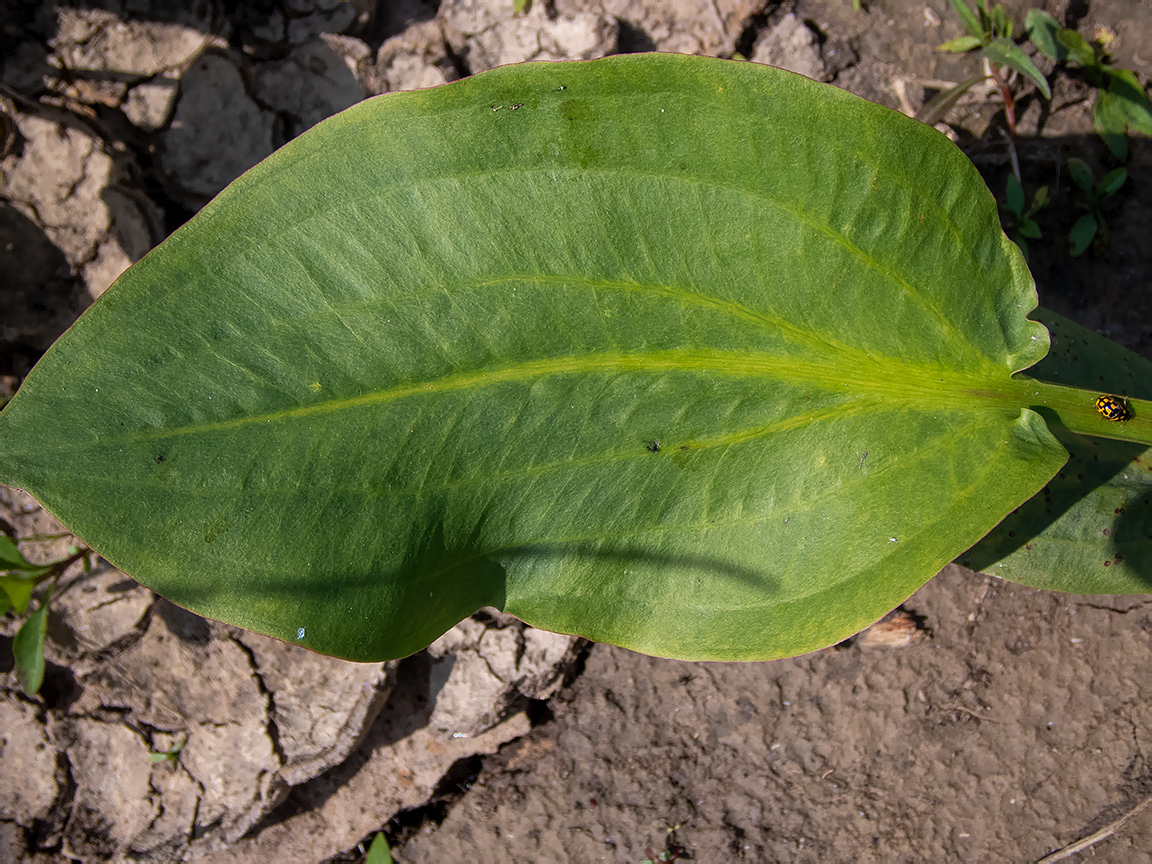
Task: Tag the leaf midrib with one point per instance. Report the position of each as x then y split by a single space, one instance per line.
890 380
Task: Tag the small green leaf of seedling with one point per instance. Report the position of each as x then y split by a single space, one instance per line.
1024 225
171 755
1001 23
1092 226
1007 53
521 6
1111 125
28 650
971 23
1076 48
10 556
5 603
1081 174
378 852
1028 228
1014 196
19 576
1082 234
1131 100
18 590
1111 183
1042 29
960 44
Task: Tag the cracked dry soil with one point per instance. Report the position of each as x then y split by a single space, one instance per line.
983 722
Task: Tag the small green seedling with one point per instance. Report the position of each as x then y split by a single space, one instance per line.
378 852
19 579
672 851
1121 103
171 755
1092 225
520 7
990 32
1022 226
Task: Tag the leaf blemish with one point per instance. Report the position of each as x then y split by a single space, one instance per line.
652 446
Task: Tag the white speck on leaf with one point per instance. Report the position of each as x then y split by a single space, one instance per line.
300 633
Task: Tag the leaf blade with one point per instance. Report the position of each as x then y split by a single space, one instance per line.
28 649
422 368
1007 53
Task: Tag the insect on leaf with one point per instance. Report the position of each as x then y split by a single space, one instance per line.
1090 528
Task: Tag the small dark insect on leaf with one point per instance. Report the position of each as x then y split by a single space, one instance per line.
159 458
652 446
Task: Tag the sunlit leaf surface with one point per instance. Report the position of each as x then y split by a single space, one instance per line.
693 356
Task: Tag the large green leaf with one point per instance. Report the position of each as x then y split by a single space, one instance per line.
693 356
1089 530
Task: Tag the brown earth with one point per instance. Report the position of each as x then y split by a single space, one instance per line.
985 722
